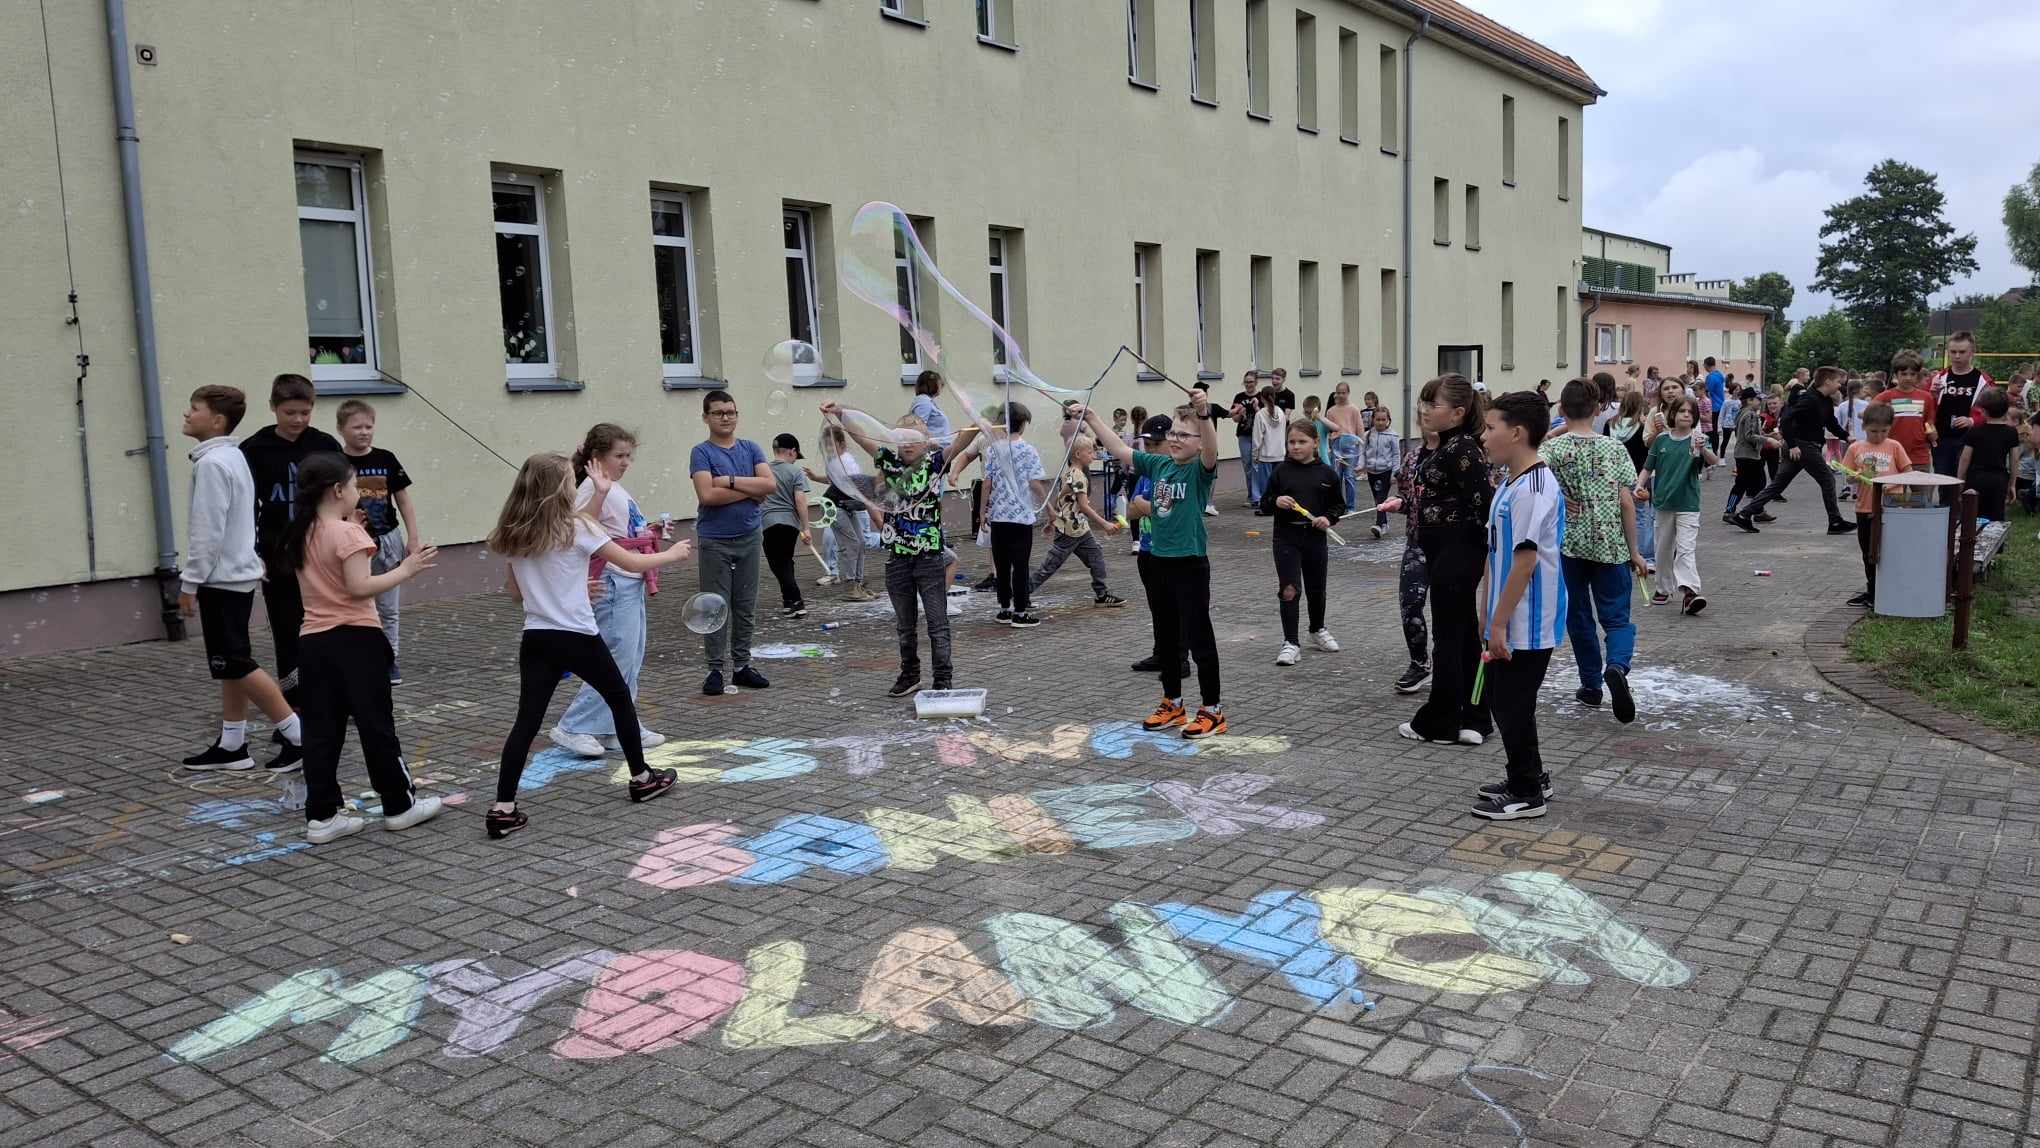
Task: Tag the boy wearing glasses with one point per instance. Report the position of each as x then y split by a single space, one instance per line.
731 477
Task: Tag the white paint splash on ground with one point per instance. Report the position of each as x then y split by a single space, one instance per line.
41 796
1667 698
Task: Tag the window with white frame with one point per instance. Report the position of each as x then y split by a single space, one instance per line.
1140 41
1692 343
1260 320
907 285
673 279
1203 62
1724 343
803 321
1604 343
995 20
1001 297
1622 342
339 282
524 276
1140 300
1208 342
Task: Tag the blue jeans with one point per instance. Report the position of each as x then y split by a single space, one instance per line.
1251 469
620 616
1346 460
1646 530
1598 589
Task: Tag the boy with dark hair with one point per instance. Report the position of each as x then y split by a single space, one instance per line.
1182 485
274 454
385 499
1599 558
1988 448
731 479
1803 427
221 572
1914 409
1523 608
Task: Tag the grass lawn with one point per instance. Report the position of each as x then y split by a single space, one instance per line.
1996 680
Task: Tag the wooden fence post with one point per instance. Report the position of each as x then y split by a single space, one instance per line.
1965 566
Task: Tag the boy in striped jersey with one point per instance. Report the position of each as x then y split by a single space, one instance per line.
1523 603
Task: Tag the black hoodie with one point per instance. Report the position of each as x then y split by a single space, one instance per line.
274 463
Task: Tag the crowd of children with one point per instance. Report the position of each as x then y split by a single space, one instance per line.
1522 525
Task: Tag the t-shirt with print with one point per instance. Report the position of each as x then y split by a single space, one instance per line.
379 476
1675 473
1181 490
1243 426
322 580
914 525
1144 487
1528 513
1886 457
740 459
1009 467
778 508
554 584
619 516
1591 470
1912 412
1069 517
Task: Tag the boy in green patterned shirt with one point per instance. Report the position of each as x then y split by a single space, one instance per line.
1598 554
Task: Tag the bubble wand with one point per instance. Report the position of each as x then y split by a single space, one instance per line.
1336 540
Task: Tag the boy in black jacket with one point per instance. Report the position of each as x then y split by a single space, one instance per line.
1803 427
1306 498
273 455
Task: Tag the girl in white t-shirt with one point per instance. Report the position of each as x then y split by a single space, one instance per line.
588 728
548 543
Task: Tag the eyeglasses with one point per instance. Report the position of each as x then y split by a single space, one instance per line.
723 414
1181 436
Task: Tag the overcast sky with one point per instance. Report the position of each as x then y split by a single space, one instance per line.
1731 125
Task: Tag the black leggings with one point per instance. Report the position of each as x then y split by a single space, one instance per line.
345 673
779 543
285 606
1180 592
1749 480
1454 558
1012 563
542 657
1300 558
1863 544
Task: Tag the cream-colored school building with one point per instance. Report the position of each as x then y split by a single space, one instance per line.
540 214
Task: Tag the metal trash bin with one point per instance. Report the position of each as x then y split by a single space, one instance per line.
1912 557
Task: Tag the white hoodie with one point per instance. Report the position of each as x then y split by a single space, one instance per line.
222 550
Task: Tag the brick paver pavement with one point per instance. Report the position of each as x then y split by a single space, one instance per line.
1764 913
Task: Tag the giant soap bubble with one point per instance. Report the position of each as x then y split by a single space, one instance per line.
705 613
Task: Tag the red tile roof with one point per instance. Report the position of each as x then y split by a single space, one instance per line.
1457 17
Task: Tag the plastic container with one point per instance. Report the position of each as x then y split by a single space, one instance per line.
949 703
827 626
1912 563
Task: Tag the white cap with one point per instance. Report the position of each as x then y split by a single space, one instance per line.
1480 387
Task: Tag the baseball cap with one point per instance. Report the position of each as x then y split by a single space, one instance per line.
1156 426
787 442
1480 388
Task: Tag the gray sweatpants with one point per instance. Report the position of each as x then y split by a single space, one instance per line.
1084 546
918 584
729 567
849 534
390 551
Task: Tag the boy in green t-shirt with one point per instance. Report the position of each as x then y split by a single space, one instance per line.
1598 556
1671 476
1182 480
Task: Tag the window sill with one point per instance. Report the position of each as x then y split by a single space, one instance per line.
1001 45
1306 129
1441 243
541 386
1149 377
1264 117
324 387
1201 101
1351 372
903 18
825 382
1389 371
1508 183
1389 152
1564 198
1346 139
693 383
1211 376
1144 85
1308 372
1473 247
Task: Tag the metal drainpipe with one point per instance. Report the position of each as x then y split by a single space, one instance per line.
1586 318
142 289
1408 253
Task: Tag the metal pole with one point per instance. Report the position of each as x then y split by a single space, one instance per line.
1409 271
1876 494
140 286
1965 567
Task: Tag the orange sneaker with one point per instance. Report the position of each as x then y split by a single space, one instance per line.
1207 723
1166 714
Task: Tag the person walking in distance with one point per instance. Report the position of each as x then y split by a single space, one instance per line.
1803 428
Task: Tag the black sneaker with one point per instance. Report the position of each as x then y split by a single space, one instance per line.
1862 599
1108 600
1781 500
1023 619
1728 517
288 759
1500 789
1617 681
1004 617
1840 527
990 582
1148 665
1494 808
502 823
712 684
943 683
799 611
750 679
1768 517
1412 679
905 684
215 758
1744 522
1587 697
654 783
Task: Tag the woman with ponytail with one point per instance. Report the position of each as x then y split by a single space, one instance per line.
344 657
588 728
1453 492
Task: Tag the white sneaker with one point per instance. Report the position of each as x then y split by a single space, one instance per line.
646 740
333 828
958 590
581 744
1133 549
1375 531
1470 737
1210 511
1323 640
1288 655
422 809
826 580
955 608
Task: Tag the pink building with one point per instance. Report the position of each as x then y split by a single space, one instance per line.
1635 310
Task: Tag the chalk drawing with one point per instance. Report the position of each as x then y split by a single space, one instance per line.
1508 1117
18 1034
41 796
1050 971
1071 978
793 650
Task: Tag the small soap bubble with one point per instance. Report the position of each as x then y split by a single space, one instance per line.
791 362
775 403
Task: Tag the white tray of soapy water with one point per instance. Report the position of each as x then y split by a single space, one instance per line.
949 703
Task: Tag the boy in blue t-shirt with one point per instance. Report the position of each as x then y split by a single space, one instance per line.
1523 607
1182 481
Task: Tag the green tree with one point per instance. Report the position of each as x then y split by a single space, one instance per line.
2010 328
1883 252
1826 340
1773 290
2022 222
